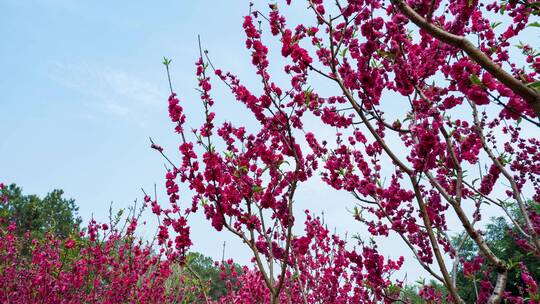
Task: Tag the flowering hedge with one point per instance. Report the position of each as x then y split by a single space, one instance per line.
104 263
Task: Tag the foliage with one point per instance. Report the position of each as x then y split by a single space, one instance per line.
38 216
501 236
211 273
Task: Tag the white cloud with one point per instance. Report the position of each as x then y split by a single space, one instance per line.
111 90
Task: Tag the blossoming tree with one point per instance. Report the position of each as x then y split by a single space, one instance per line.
435 114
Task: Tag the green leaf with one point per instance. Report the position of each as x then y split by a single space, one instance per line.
307 96
229 154
495 24
284 162
534 85
534 24
204 201
166 61
475 80
356 211
344 52
257 189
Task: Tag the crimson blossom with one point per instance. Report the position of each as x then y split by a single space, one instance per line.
435 113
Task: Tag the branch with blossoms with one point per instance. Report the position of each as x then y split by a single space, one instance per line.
415 103
231 188
530 95
325 271
341 72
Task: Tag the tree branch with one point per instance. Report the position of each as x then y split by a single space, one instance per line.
530 95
